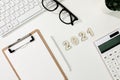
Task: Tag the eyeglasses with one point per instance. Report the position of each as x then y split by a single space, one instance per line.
70 19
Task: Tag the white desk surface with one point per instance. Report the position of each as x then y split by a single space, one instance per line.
91 15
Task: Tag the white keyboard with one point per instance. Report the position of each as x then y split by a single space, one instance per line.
14 13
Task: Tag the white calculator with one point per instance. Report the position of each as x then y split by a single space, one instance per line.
109 49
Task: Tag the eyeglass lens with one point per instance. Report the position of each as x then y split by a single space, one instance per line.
65 15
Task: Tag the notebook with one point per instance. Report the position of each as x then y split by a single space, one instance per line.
31 59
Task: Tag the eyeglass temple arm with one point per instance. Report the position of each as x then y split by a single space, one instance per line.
64 7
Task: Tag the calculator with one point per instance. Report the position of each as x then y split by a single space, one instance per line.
109 49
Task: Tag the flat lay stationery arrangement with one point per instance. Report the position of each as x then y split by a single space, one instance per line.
59 40
39 58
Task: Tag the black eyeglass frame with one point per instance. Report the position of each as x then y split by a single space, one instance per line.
64 9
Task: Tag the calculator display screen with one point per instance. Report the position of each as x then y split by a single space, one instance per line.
109 44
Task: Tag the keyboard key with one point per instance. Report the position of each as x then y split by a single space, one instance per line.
21 5
26 15
2 9
5 1
36 2
16 14
15 22
11 4
21 11
9 26
25 2
2 16
30 0
7 7
12 17
16 1
1 4
6 14
2 23
6 20
26 8
16 8
1 32
5 29
11 10
31 5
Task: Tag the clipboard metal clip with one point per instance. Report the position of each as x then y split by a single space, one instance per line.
19 40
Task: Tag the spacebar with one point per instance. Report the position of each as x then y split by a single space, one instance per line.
30 13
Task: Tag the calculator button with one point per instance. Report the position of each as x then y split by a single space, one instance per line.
117 77
118 59
114 74
105 57
115 63
118 68
110 54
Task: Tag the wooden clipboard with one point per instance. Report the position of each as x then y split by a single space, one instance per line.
27 67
